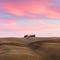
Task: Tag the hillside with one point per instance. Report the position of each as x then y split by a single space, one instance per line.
30 48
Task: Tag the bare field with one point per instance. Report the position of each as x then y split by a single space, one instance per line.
30 48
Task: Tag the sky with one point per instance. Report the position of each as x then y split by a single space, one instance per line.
21 17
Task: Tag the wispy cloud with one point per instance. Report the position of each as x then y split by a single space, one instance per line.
30 16
40 7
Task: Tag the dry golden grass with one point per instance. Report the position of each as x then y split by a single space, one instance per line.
18 57
48 51
29 48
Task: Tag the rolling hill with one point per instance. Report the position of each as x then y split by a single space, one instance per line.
31 48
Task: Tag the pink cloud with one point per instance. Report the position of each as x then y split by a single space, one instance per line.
40 29
36 7
41 25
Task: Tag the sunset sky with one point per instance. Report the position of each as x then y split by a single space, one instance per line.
21 17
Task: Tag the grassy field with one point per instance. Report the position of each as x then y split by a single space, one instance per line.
30 48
